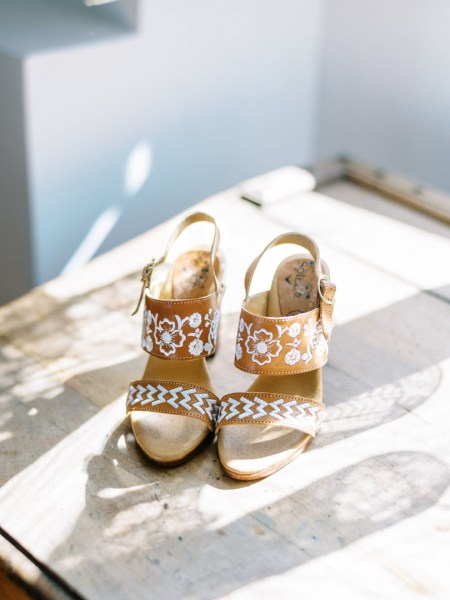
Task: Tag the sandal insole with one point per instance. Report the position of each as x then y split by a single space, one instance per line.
167 438
192 276
256 448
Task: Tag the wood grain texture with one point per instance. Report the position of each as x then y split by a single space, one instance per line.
10 590
21 578
363 513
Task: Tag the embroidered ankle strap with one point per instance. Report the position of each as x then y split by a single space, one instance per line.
181 329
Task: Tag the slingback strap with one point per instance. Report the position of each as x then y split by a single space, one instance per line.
287 238
181 329
197 217
280 345
258 408
173 397
326 289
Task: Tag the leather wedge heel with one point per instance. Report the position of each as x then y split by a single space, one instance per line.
283 338
173 408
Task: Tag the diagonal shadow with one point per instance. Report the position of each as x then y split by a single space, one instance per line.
153 536
175 540
369 381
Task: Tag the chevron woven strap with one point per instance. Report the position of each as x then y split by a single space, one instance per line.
175 398
270 409
181 329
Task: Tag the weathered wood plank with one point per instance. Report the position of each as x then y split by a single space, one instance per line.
22 579
365 505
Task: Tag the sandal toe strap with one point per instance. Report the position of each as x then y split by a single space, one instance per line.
173 397
254 408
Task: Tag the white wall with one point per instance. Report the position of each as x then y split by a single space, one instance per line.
385 85
30 27
217 91
201 94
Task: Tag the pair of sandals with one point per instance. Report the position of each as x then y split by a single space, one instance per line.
282 337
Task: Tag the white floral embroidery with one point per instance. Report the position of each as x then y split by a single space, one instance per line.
309 328
321 344
294 330
195 320
168 336
292 357
212 321
148 343
318 342
262 346
196 347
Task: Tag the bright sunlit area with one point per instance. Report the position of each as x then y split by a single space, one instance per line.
224 299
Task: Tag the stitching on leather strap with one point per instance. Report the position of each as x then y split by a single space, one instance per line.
253 408
209 300
285 238
327 293
196 217
280 345
181 329
173 397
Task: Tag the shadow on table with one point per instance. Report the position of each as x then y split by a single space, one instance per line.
152 536
154 524
381 366
83 351
371 379
385 364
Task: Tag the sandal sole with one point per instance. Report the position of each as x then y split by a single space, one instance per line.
253 476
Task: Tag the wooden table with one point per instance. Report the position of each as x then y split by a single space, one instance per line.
363 514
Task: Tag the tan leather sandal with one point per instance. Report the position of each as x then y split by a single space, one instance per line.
172 408
283 337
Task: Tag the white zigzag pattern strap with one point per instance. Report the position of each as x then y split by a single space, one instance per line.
145 394
297 413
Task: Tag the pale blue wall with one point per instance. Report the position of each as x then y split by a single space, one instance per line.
16 273
28 29
216 91
219 90
385 86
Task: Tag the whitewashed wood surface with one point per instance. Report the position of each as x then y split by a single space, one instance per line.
363 514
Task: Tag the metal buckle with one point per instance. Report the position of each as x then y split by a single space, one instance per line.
145 278
324 277
147 273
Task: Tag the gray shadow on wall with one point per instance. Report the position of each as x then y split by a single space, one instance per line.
33 26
